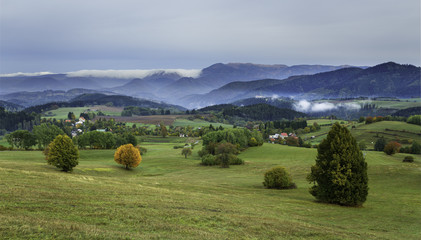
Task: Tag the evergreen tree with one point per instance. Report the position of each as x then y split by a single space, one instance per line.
340 173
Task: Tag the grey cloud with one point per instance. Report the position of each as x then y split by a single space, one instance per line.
194 34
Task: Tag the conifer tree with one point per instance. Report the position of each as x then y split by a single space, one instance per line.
340 173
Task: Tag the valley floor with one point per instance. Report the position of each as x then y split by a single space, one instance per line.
170 197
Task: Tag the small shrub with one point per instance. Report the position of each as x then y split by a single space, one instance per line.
177 147
234 160
142 150
278 178
253 142
408 159
209 160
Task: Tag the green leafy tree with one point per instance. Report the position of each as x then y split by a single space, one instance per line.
46 133
340 173
164 131
380 144
21 139
71 116
62 153
186 152
392 148
415 148
226 154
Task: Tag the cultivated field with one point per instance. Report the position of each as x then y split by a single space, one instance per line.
170 197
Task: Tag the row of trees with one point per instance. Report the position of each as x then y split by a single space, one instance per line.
63 154
11 121
141 111
393 147
43 134
222 147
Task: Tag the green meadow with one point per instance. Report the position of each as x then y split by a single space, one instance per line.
170 197
61 113
180 122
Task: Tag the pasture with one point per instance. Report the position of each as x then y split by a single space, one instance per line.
61 113
170 197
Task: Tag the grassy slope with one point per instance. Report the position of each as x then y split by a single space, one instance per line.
198 123
172 197
369 133
402 104
61 113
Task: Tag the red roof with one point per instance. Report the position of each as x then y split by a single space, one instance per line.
284 134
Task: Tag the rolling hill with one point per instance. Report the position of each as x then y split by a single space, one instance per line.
388 79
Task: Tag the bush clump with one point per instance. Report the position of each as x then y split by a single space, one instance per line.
278 178
408 159
209 160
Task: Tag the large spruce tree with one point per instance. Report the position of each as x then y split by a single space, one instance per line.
340 173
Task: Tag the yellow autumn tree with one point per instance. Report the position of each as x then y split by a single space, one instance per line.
127 155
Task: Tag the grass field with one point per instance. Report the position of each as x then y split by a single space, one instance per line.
390 130
170 197
198 123
369 133
61 113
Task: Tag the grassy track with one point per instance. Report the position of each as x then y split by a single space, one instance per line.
171 197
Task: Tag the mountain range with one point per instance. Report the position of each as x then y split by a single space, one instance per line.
222 83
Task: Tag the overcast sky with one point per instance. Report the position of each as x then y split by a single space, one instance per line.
70 35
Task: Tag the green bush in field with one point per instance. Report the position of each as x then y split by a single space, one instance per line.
62 153
278 178
408 159
340 173
209 160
